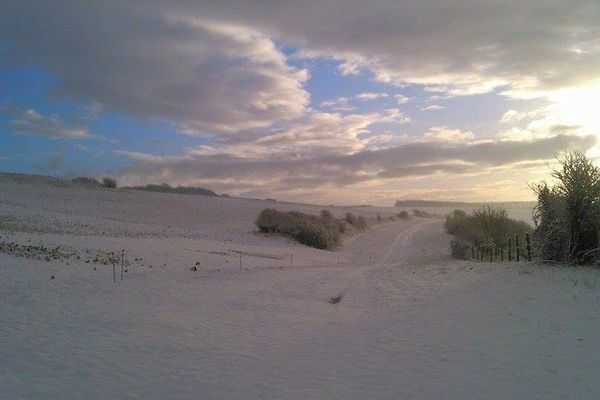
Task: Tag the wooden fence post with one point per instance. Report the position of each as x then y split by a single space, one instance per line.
113 264
472 253
509 249
502 252
528 242
517 247
491 249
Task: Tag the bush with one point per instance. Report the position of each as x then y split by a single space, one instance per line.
460 248
551 233
311 230
326 214
403 215
455 222
350 218
567 216
361 223
485 226
109 182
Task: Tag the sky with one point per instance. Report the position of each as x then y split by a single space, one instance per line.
330 102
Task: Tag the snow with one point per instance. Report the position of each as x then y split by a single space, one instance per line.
412 323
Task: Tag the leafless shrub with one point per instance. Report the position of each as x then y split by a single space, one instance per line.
567 215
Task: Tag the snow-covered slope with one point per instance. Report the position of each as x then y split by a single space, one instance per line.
411 323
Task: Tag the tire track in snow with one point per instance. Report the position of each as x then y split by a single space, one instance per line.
400 243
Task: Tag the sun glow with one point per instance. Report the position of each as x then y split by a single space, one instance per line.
579 106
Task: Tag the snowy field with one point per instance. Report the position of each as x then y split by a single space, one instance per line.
412 323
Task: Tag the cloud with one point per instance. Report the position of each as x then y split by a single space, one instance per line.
542 122
343 103
434 107
30 122
352 171
514 116
81 147
457 47
394 115
157 61
371 96
317 133
339 104
400 99
168 60
444 134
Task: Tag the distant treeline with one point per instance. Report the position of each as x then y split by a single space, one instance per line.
439 203
166 188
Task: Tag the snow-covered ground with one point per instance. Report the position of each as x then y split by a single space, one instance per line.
412 323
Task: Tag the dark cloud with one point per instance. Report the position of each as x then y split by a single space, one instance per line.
155 61
415 159
459 45
214 66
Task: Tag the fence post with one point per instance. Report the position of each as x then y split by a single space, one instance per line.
502 252
491 249
113 264
517 247
472 252
509 249
528 242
